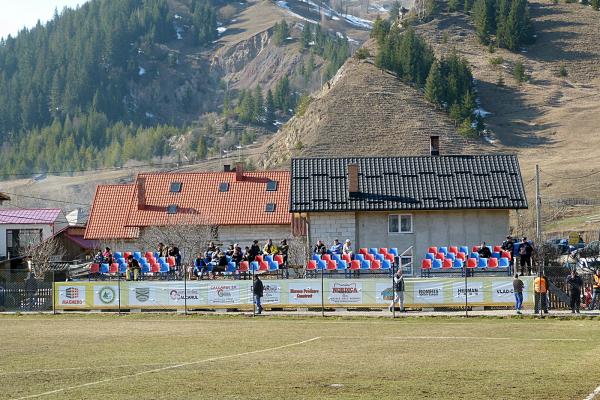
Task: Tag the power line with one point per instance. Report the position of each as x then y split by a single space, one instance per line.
47 199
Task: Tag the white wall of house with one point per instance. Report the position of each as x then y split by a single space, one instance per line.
47 231
429 228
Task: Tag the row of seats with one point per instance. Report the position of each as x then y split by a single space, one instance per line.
341 265
428 264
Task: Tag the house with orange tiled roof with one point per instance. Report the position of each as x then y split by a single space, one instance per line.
240 206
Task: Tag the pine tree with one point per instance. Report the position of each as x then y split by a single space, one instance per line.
306 36
519 72
434 86
596 4
481 20
259 105
453 5
467 106
270 108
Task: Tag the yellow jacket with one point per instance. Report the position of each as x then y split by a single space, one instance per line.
596 282
539 285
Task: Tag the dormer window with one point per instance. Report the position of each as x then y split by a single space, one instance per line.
272 186
224 187
270 207
172 209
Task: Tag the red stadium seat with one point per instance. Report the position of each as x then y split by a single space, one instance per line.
171 261
492 263
363 250
432 249
497 249
369 257
389 257
326 257
447 263
114 268
258 259
347 258
453 249
278 259
472 263
461 256
383 250
312 265
155 268
375 264
331 265
440 256
244 266
263 266
94 268
355 264
149 255
426 264
475 249
505 254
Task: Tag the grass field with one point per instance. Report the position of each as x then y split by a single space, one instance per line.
151 356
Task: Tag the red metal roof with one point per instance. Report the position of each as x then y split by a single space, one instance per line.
199 201
109 213
29 216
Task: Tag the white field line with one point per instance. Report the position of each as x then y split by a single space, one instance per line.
593 395
460 338
129 376
2 373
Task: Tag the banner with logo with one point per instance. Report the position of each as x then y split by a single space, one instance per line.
419 292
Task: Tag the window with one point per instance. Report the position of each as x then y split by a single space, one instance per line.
270 207
19 239
172 209
176 187
406 263
272 186
224 187
401 223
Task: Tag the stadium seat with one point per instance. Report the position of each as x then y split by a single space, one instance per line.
373 250
365 264
145 269
440 256
459 264
386 264
311 265
433 250
355 265
326 257
231 267
244 266
389 257
376 264
171 261
369 257
393 251
258 259
149 254
430 256
331 265
451 256
347 258
505 254
126 254
363 251
137 255
164 269
482 263
383 250
155 268
263 266
359 257
443 250
472 263
117 254
273 266
104 268
453 249
474 255
447 263
437 264
122 269
114 268
278 259
336 257
342 265
426 264
254 265
493 262
464 249
94 268
322 264
496 254
497 249
504 262
461 256
475 249
379 257
316 257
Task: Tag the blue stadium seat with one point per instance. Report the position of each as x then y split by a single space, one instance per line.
268 258
316 257
437 264
443 250
254 266
137 255
451 256
164 269
504 262
386 264
336 257
342 265
430 256
393 251
122 268
474 255
359 257
321 264
373 250
104 268
117 254
496 255
459 264
379 257
231 267
145 269
273 266
482 263
365 264
464 249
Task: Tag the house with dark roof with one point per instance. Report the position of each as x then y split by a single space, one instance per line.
409 203
23 227
241 206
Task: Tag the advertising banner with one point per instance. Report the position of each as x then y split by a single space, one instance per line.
503 292
473 291
304 292
106 295
223 293
345 292
72 296
271 293
428 292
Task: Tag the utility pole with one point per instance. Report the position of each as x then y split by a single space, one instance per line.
538 206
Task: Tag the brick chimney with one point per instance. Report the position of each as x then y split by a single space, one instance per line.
239 172
434 145
141 193
353 179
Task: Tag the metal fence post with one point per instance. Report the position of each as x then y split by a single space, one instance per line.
252 294
394 292
466 296
322 292
185 311
53 293
119 290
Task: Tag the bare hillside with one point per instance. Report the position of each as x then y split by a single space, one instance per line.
364 111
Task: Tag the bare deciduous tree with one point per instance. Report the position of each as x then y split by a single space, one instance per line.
298 253
42 254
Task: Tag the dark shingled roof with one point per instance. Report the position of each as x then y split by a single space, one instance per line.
408 183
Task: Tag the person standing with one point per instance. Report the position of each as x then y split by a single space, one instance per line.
596 298
347 249
575 284
270 248
398 291
540 288
254 251
283 250
258 290
518 290
525 252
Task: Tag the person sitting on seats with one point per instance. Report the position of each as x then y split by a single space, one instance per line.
347 249
320 248
133 269
270 248
336 247
484 251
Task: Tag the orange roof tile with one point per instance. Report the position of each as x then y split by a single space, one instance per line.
200 199
109 213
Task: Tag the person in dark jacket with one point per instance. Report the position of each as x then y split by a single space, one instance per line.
575 283
484 251
320 248
518 286
508 244
284 248
525 252
258 290
398 291
254 251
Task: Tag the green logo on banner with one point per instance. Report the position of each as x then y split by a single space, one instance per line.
107 295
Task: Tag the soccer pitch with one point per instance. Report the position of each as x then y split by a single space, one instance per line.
167 356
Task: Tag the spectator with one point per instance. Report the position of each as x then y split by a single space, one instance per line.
230 250
525 252
133 269
258 290
200 267
347 249
270 248
174 252
336 247
518 289
596 299
484 251
107 256
246 255
508 244
284 248
575 284
162 250
219 263
237 255
540 288
320 248
254 251
210 250
99 258
399 291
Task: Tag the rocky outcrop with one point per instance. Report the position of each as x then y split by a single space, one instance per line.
234 58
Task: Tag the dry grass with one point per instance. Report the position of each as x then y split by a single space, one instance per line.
369 358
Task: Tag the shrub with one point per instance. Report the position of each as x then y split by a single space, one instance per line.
496 61
519 72
362 54
562 71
